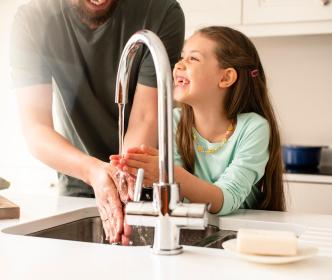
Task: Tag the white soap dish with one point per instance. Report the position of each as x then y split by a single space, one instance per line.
303 252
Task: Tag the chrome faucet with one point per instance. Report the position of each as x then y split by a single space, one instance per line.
165 213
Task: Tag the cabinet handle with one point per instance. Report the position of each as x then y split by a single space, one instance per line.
325 2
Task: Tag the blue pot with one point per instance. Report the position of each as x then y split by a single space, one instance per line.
301 156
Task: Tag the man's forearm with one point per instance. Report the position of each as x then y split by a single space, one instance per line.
55 151
143 121
35 108
146 134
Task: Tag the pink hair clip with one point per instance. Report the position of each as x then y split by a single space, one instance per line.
254 73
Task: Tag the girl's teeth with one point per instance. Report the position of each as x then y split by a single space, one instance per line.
182 82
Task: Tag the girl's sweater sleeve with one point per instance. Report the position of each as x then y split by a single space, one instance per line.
247 166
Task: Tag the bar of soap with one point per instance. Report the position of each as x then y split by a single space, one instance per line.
266 242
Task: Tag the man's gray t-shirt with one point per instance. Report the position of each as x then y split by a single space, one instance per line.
51 45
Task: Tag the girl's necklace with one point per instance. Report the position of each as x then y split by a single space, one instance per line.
202 149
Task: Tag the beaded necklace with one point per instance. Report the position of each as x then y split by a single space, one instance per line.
202 149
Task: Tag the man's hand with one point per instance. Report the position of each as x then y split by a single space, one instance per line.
125 184
109 203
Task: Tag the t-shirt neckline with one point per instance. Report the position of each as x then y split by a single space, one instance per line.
82 26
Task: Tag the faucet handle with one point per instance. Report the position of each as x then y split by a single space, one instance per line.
139 184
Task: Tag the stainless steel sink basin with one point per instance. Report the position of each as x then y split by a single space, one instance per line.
85 225
90 230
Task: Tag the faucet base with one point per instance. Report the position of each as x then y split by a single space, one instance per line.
167 252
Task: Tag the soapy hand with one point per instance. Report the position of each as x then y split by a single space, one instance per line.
103 179
125 185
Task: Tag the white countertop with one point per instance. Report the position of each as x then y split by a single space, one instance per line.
308 178
23 257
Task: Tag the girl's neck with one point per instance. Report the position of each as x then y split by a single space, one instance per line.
211 122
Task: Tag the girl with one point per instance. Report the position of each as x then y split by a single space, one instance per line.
228 150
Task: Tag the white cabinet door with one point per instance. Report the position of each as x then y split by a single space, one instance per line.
282 11
308 197
210 12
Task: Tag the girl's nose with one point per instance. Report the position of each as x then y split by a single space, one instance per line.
180 65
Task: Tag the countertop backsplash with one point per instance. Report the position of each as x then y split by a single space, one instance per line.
298 70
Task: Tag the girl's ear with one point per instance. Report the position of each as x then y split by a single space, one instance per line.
228 78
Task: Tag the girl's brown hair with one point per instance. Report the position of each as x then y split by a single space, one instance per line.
248 94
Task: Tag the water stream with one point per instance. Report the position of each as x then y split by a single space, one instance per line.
121 126
141 232
121 107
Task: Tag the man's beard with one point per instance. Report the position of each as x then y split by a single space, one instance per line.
90 18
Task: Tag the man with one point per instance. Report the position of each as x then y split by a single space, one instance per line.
65 56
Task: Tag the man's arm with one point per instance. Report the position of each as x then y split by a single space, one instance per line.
35 107
143 121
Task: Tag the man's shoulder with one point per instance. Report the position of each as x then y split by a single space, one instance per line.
41 6
35 11
158 3
158 7
169 3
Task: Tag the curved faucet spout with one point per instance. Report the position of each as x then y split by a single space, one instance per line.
165 213
164 84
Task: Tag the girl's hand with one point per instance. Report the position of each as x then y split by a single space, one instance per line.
143 157
115 161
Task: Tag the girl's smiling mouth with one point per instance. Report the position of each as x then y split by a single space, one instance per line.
181 81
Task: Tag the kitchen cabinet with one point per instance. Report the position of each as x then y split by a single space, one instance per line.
286 11
261 18
210 12
286 17
307 197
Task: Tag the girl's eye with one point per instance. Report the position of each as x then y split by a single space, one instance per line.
190 58
193 58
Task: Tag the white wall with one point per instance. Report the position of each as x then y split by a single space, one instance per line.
16 164
299 72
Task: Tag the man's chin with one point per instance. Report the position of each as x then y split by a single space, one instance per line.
97 10
91 14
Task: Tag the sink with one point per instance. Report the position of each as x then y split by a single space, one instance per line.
85 225
91 230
